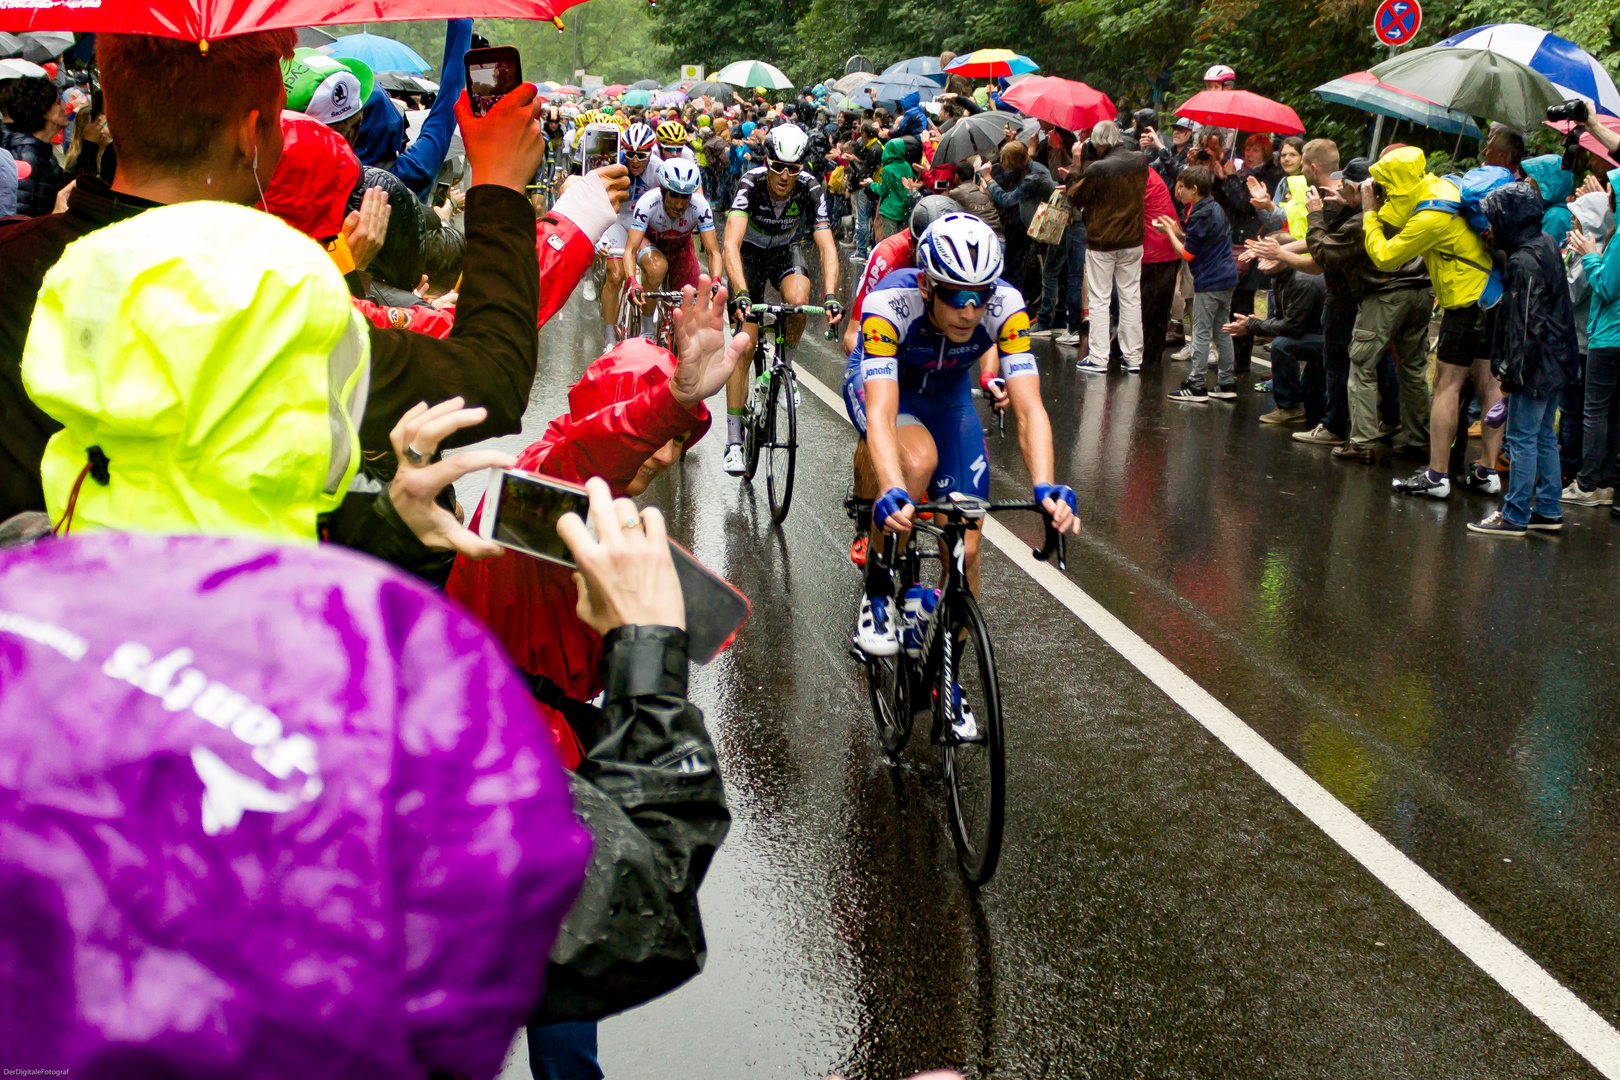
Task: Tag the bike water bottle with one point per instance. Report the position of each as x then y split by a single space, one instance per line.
915 613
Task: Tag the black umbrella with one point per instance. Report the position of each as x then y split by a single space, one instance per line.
647 84
39 47
718 91
979 134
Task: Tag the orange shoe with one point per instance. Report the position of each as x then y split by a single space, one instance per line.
857 550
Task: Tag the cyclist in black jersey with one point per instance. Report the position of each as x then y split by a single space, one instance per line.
776 205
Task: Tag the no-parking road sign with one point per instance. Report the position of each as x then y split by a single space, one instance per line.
1396 22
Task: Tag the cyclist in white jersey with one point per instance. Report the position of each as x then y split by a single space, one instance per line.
638 148
662 225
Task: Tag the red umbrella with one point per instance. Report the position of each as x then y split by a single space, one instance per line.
1588 142
1241 110
615 90
205 20
1070 105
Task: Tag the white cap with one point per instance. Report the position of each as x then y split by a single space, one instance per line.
336 99
1220 73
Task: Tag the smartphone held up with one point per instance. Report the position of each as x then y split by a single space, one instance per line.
521 511
492 74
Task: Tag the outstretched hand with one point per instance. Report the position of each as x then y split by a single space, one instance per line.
416 487
708 351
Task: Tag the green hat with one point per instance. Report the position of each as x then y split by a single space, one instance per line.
308 69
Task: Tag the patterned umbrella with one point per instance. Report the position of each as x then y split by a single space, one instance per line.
1576 72
753 73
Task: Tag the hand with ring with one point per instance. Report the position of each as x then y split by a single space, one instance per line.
418 480
626 576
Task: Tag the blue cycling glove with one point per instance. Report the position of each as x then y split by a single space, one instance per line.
1060 492
890 503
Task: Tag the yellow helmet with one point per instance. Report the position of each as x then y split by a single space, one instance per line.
619 118
582 119
672 133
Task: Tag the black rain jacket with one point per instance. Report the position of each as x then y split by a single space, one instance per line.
1533 349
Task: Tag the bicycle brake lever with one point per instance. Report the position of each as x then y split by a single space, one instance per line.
1055 542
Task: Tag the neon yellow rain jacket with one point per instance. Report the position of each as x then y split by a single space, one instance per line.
1457 259
212 354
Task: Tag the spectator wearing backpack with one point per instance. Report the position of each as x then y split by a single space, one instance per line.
1423 211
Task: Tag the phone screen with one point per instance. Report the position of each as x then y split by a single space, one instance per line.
491 75
601 148
527 511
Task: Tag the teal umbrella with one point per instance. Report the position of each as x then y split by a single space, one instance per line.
753 73
1473 81
636 97
1360 90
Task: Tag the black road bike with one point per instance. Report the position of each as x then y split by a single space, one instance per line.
772 423
952 676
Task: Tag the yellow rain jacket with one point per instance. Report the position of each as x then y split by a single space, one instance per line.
1457 259
1293 206
212 354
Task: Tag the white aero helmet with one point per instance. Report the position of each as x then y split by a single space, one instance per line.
1220 73
680 177
638 137
787 142
960 249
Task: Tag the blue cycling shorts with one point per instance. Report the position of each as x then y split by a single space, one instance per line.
948 414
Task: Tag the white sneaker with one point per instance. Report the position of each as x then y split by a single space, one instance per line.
1089 368
734 459
1070 337
590 288
966 726
1183 353
1133 369
875 633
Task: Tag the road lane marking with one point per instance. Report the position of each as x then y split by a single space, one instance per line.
1570 1018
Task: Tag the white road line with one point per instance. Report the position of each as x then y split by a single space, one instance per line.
1577 1023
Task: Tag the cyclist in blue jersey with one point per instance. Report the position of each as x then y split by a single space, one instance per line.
926 335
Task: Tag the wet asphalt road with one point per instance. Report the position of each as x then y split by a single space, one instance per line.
1159 910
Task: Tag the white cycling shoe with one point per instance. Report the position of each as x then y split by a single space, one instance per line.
735 465
966 726
875 631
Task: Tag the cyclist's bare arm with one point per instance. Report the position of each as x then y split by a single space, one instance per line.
711 247
736 229
827 247
1035 440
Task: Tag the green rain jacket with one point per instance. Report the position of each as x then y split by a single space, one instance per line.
894 198
224 395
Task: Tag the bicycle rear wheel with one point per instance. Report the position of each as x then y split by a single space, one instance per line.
783 442
974 766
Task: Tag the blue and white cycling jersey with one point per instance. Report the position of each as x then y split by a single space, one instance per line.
898 343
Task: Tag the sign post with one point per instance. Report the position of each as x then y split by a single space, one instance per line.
1395 23
692 71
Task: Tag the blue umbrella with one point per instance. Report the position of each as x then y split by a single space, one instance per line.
925 66
1573 70
378 53
898 86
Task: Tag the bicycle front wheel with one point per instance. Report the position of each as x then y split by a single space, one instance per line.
967 717
782 441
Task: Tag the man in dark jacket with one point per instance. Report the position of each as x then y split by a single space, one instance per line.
1533 355
37 117
1109 192
1295 329
969 192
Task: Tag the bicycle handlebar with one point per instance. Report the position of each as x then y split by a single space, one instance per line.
1055 542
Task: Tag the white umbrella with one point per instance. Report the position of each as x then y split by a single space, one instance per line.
20 69
753 73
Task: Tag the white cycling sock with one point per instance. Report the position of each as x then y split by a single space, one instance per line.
734 426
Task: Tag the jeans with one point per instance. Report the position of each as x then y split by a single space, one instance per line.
1070 255
1287 354
563 1051
1396 321
1600 435
1106 272
1534 478
1338 323
1158 294
1209 315
863 225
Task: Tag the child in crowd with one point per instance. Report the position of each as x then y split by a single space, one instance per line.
1205 241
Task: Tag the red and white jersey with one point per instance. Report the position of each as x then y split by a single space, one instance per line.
892 253
663 231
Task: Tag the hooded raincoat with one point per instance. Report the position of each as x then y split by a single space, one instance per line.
1533 346
198 391
1597 221
1603 274
1457 259
894 198
1555 186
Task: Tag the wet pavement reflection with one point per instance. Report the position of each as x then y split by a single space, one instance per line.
1159 911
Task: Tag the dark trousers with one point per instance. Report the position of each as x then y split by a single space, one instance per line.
1242 345
1601 420
1338 324
1022 253
1158 293
1288 356
1571 422
564 1051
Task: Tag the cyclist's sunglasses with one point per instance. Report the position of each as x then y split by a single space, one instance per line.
637 155
960 297
782 166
